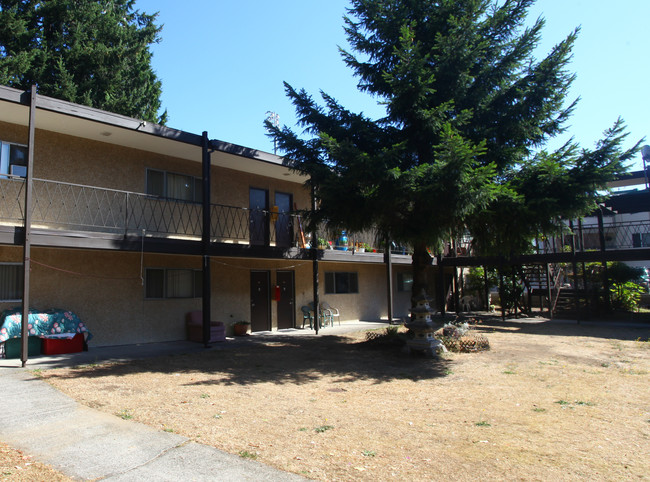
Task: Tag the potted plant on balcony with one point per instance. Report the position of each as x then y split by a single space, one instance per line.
240 328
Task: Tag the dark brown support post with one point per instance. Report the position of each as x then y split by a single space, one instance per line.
389 280
529 290
487 288
24 334
550 291
442 292
455 279
313 246
588 301
205 238
574 267
601 236
503 308
513 280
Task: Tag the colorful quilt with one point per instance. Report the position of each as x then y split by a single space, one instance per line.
40 323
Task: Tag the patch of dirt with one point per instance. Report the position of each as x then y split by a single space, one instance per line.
546 402
15 466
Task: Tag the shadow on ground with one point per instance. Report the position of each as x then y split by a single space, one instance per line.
283 360
617 330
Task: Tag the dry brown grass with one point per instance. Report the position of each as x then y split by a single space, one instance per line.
547 402
15 466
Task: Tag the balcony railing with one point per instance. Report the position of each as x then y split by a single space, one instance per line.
75 207
368 240
616 235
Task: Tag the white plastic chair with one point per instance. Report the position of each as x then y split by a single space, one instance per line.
333 312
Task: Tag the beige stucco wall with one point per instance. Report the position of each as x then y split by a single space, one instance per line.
370 303
80 161
104 289
13 133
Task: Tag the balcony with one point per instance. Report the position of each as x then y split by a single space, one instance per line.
87 212
616 236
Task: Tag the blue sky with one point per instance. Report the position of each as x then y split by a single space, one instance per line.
223 62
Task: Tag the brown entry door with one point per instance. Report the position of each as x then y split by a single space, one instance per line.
286 303
260 301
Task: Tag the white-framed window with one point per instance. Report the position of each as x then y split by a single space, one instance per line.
11 281
172 185
337 282
404 282
13 159
165 283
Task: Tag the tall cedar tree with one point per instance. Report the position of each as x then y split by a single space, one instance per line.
467 105
91 52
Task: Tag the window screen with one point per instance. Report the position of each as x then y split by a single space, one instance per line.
161 283
11 282
404 282
341 282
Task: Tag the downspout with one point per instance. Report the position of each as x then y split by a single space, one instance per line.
24 334
205 238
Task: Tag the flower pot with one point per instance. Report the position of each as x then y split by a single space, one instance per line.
240 329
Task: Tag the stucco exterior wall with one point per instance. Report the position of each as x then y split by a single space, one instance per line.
80 161
105 290
370 303
13 133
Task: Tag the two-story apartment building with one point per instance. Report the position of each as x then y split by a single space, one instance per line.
116 231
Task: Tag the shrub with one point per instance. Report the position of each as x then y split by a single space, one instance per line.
626 296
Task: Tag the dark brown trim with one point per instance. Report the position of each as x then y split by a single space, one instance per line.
51 104
24 350
632 254
206 295
96 115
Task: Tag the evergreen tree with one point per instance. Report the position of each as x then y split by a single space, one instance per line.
467 106
91 52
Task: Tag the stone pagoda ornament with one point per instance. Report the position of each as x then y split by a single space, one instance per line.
423 328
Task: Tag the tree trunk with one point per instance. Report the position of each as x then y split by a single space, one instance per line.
421 260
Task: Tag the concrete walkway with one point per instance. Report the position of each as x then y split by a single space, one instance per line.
90 445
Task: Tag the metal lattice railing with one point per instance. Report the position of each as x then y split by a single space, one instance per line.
12 196
66 206
232 224
76 207
623 235
619 235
